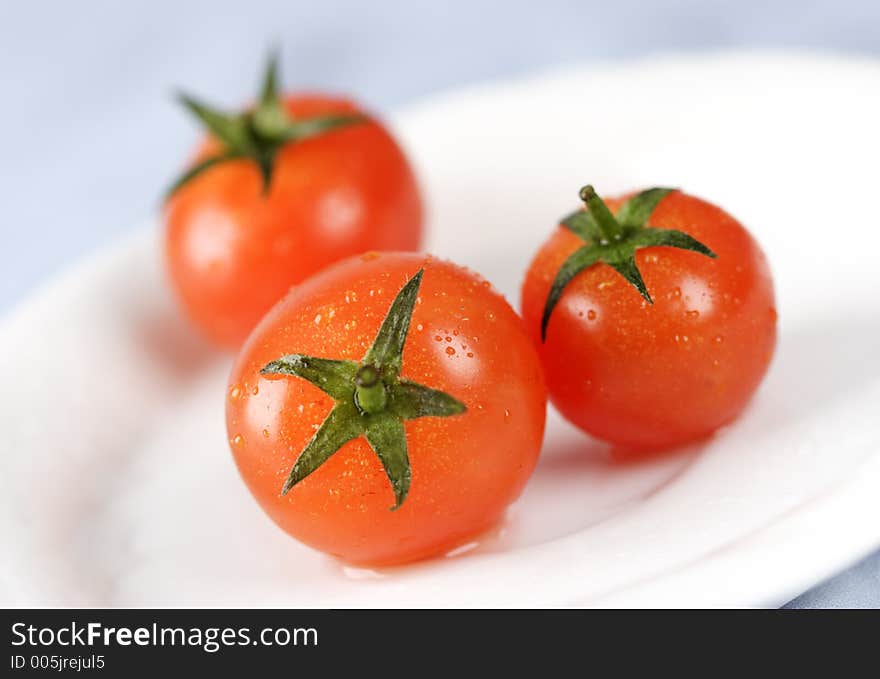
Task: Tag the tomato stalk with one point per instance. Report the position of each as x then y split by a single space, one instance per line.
371 398
614 240
609 227
258 134
370 393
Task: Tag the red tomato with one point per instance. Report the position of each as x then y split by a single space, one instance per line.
464 340
233 250
644 375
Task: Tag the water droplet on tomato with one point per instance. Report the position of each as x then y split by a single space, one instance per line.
591 315
450 351
234 391
266 433
237 440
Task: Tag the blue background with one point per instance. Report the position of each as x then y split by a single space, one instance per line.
90 135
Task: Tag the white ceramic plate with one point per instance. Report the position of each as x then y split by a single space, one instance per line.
117 487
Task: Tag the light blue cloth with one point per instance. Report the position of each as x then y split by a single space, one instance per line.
89 131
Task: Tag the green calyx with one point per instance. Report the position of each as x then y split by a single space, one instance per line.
257 134
614 240
372 399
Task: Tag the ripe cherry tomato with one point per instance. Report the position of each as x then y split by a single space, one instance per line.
340 359
657 360
279 193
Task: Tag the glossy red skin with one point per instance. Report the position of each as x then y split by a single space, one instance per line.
464 339
654 376
232 251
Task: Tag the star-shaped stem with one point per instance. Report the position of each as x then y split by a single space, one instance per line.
614 240
372 399
256 134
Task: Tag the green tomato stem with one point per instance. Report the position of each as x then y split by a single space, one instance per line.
370 394
607 223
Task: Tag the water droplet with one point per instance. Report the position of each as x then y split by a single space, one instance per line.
506 414
692 313
266 433
234 391
718 339
420 327
455 332
491 315
255 390
437 338
448 338
605 284
591 315
317 319
470 354
300 407
450 351
237 440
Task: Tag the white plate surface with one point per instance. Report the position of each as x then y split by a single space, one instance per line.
118 487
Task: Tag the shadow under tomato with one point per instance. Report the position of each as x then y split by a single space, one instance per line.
621 456
170 344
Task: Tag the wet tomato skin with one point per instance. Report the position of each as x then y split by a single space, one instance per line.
464 339
232 252
647 376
